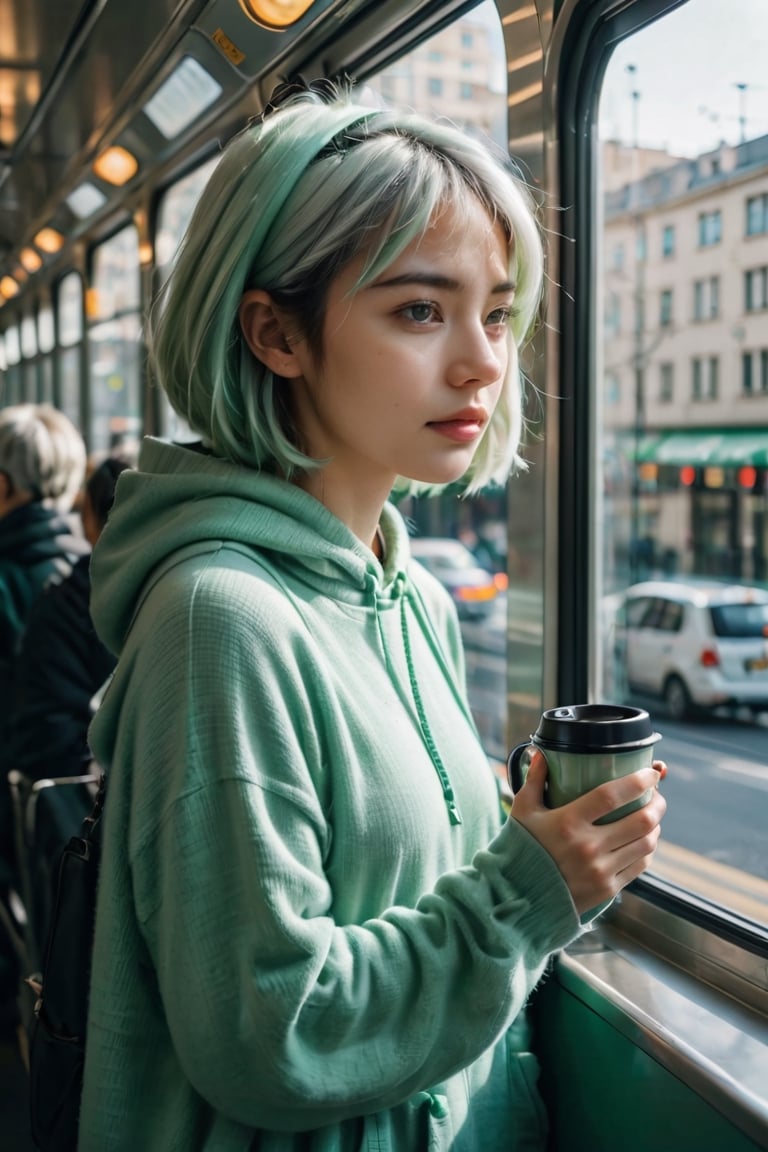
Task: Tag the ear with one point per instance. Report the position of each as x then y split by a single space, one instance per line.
264 333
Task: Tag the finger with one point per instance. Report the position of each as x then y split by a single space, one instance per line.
532 791
660 767
616 793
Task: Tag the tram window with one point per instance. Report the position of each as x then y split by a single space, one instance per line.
684 147
28 337
430 80
12 349
46 339
114 341
174 213
69 311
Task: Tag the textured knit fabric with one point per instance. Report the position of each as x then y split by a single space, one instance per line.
298 946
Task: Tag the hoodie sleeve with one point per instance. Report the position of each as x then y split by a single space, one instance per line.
282 1018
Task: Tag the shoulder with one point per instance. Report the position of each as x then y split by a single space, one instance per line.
227 601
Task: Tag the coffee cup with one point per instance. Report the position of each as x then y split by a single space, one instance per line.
585 745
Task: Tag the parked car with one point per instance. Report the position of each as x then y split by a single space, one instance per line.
697 645
472 587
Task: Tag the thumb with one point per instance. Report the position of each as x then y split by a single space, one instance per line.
536 778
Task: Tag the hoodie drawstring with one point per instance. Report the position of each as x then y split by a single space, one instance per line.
426 731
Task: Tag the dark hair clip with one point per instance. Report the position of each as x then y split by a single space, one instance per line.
328 91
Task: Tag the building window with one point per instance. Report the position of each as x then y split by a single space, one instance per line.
757 214
434 56
613 314
709 228
665 308
467 39
618 257
466 91
612 389
756 289
435 86
714 297
706 298
705 377
668 240
666 383
754 373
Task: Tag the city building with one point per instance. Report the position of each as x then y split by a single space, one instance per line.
685 361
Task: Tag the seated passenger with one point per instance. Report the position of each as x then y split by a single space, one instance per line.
62 663
42 464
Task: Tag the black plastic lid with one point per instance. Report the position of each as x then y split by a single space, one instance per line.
595 728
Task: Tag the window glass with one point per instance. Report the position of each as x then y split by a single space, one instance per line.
430 80
114 339
70 310
28 337
683 506
175 210
12 345
46 337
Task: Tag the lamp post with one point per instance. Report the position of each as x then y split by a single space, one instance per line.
638 351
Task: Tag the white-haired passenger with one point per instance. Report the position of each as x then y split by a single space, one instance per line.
42 465
314 929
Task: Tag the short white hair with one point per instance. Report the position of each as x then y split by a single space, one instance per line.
42 453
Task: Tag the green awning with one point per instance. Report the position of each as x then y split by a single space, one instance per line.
728 449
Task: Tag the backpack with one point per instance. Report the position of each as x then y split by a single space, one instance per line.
57 1049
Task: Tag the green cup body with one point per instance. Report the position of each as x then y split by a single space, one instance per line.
571 774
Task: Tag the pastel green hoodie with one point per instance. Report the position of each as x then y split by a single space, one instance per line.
298 945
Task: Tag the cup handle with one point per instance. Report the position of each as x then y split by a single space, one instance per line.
515 774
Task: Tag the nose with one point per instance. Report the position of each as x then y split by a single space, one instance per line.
477 359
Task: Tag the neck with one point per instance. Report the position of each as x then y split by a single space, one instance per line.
359 511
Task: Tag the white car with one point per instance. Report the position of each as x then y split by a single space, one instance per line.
697 645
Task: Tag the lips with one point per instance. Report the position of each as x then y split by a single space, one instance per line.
463 426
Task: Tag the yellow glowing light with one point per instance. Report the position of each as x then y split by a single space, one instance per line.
30 259
8 287
49 240
116 166
275 14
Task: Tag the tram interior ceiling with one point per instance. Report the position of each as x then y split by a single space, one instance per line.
67 98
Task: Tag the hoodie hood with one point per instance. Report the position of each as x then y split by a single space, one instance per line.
180 498
34 534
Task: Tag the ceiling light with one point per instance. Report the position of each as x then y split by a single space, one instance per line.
30 259
85 200
49 240
116 166
187 92
275 13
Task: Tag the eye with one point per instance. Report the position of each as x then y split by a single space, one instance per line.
420 312
500 316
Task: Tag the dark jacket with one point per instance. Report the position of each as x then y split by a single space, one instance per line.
62 664
36 544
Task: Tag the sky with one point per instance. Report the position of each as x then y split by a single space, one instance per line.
687 68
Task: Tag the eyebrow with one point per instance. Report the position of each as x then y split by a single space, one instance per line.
434 280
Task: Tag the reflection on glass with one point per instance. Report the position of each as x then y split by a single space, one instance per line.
70 360
114 341
175 211
114 369
683 453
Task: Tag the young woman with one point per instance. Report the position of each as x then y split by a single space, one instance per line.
313 931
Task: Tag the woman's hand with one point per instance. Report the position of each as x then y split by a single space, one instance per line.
596 860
